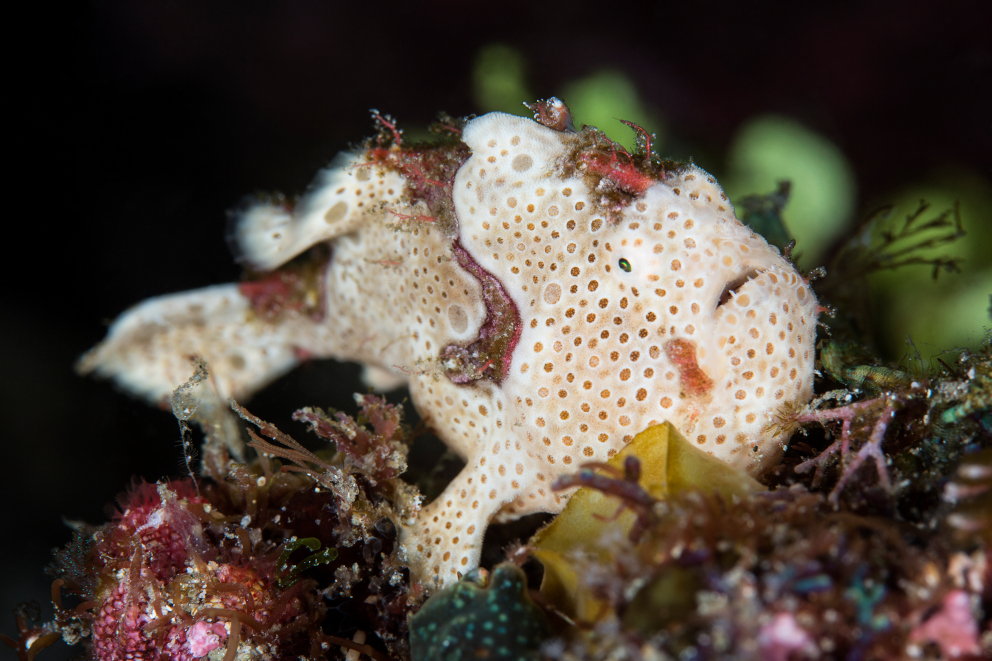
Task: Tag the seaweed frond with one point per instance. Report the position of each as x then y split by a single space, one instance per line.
880 243
304 461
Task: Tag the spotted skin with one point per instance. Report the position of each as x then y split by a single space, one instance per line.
610 320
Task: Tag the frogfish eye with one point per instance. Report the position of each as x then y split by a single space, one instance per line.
624 265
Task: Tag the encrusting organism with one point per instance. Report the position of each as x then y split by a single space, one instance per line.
911 429
482 616
171 588
544 293
250 564
770 575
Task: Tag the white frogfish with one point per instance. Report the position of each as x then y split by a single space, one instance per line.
544 294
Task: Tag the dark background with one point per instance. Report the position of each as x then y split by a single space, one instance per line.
140 123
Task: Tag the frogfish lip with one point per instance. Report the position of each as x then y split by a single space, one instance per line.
736 284
738 303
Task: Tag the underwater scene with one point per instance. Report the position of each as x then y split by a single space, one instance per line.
472 340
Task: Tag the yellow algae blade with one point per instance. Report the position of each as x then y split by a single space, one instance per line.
670 465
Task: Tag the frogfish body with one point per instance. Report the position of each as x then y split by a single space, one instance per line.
544 294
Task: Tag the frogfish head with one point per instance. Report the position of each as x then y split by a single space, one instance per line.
668 309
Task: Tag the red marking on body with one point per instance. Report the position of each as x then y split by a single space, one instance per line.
407 163
297 288
428 169
302 354
273 294
499 335
620 169
682 353
412 218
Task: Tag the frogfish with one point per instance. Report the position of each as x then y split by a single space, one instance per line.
544 294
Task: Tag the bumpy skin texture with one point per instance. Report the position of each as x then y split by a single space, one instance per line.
611 318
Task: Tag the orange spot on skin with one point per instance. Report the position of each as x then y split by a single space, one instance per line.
682 353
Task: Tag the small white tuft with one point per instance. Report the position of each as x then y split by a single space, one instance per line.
267 236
